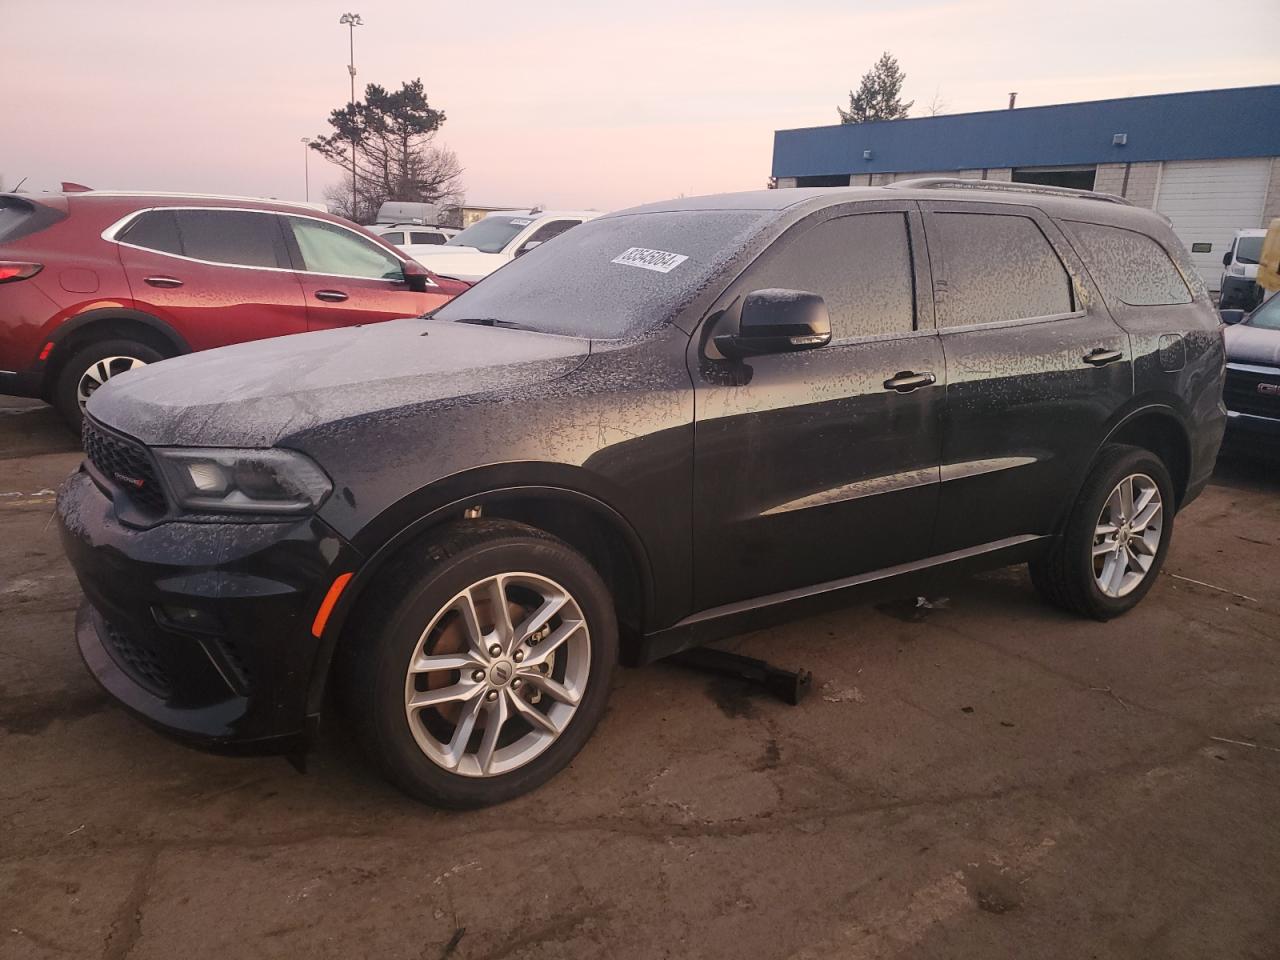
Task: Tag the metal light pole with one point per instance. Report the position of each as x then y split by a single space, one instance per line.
351 21
306 165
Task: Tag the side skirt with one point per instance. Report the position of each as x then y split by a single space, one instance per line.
904 579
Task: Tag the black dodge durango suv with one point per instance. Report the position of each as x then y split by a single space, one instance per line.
667 424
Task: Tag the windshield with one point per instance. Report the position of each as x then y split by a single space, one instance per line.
610 278
491 234
1267 316
1249 249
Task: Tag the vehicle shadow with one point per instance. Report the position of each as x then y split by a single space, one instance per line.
1239 471
29 428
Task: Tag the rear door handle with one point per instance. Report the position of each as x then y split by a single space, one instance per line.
907 380
331 296
1100 356
165 282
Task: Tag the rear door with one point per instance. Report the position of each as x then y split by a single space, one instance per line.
1035 365
812 466
348 279
218 276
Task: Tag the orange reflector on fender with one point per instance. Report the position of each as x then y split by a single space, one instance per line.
327 605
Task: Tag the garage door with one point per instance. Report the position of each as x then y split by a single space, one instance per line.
1208 201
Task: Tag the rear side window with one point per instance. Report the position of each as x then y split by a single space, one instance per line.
236 237
432 238
859 264
996 267
154 230
1130 266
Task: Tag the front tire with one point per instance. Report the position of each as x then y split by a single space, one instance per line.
92 366
1115 540
484 668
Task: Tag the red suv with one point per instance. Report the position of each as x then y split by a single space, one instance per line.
95 283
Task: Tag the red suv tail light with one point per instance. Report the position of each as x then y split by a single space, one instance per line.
12 270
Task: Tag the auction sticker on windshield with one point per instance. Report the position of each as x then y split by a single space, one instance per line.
647 259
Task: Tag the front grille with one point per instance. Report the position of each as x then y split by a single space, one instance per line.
138 658
125 464
1240 392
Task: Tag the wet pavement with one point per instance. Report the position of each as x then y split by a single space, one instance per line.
977 778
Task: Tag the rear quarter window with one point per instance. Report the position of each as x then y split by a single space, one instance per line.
155 230
1130 266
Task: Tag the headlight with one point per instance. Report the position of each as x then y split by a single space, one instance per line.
243 481
1237 270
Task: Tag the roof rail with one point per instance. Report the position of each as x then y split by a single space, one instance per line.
1005 186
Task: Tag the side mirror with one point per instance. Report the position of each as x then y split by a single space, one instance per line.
778 321
1231 316
417 276
529 245
1226 259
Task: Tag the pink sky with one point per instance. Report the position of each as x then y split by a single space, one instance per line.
569 104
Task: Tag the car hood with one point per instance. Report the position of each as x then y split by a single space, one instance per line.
465 263
258 394
1246 344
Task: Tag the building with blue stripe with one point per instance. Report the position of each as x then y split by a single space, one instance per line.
1206 159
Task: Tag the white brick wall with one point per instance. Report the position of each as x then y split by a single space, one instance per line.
1271 209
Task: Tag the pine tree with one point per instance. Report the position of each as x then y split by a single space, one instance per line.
396 158
877 95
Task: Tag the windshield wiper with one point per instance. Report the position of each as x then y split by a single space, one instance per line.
493 322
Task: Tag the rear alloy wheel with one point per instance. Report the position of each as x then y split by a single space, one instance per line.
1115 540
480 665
87 370
1127 535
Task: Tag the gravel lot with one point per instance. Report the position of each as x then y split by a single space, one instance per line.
990 779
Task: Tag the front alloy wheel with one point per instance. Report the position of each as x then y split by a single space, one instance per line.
498 674
480 663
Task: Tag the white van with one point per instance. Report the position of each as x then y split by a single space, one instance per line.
1239 287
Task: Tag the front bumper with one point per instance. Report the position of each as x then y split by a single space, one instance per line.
202 629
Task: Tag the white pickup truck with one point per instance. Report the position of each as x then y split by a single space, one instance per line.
495 240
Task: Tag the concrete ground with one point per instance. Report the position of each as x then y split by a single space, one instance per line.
988 778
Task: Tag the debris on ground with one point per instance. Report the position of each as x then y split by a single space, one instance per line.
832 695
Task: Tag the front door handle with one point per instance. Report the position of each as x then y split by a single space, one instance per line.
331 296
1101 356
164 282
908 380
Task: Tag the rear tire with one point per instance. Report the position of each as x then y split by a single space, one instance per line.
1115 540
449 720
90 367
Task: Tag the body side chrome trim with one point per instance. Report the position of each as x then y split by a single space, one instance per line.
109 235
975 468
870 487
800 593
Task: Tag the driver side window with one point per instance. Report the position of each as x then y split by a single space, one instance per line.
860 264
330 249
